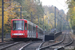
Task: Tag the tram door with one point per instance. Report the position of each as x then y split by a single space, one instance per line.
26 29
36 32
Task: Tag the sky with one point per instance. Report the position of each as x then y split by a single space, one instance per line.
60 4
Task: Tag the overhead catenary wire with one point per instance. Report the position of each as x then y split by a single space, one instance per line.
62 4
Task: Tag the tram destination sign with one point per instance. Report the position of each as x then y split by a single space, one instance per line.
17 21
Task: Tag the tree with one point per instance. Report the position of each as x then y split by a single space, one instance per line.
71 13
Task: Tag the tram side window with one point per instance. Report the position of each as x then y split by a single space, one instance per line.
25 26
28 27
31 27
34 29
38 30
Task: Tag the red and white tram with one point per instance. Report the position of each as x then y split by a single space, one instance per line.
22 28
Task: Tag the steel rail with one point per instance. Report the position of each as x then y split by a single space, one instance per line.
41 48
66 44
3 48
25 46
3 43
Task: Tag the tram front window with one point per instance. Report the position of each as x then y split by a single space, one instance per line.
18 25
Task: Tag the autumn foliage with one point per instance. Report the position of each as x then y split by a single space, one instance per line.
71 14
31 9
12 11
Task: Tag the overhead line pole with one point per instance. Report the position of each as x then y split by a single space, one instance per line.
38 20
43 23
31 17
61 23
32 22
20 12
55 17
2 19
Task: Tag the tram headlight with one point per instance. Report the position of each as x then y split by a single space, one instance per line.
17 33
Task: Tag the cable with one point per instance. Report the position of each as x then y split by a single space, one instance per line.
60 3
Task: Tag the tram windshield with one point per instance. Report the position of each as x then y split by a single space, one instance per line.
18 25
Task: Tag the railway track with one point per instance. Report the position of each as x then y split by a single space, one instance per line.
31 46
38 45
3 43
7 45
66 41
12 45
6 40
57 40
